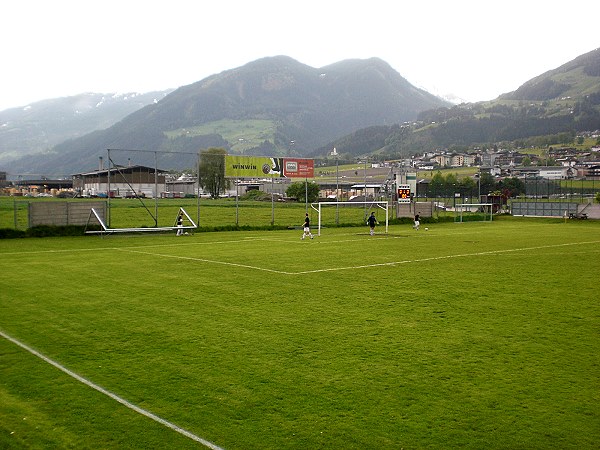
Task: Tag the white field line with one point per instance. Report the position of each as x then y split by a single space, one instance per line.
92 249
111 395
335 269
438 258
210 261
180 244
187 243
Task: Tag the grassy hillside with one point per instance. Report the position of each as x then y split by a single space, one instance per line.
565 100
242 135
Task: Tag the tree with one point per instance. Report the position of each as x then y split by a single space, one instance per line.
451 184
487 182
299 190
513 187
212 171
436 185
467 187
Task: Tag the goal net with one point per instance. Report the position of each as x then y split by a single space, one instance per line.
474 212
334 213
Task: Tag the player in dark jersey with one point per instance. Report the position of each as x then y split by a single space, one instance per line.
306 228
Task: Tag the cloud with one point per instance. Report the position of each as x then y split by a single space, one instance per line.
472 49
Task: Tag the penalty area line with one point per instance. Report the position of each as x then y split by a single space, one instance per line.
209 261
362 266
437 258
115 397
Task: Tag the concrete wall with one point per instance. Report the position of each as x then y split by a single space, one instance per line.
65 213
555 209
592 210
543 209
425 209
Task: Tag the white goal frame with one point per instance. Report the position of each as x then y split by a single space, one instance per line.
106 230
380 204
488 211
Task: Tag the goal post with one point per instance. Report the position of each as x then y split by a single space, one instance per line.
384 205
474 212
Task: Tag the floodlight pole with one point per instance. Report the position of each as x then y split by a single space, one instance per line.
108 186
479 185
272 201
198 189
155 189
237 197
365 187
337 185
306 193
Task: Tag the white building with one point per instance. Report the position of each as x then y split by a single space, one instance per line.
129 181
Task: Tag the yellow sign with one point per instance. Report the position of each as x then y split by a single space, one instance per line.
264 167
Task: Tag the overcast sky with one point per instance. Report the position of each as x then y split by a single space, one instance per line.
474 49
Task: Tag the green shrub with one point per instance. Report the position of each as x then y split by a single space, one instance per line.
11 233
256 195
45 231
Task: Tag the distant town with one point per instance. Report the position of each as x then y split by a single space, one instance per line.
557 163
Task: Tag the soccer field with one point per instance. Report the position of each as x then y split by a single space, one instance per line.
474 335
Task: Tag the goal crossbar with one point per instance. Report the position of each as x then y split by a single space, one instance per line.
379 204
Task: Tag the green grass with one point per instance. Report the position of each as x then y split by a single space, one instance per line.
131 213
478 335
241 134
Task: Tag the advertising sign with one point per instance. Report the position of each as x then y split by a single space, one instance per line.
265 167
298 168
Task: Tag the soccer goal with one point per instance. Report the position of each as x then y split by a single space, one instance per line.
104 229
330 212
474 212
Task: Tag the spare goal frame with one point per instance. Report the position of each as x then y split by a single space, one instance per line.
104 229
487 211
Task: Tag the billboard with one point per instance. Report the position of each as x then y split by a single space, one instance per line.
265 167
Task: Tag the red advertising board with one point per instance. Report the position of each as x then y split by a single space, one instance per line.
298 168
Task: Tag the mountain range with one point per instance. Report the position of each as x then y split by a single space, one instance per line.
272 106
277 106
549 109
36 128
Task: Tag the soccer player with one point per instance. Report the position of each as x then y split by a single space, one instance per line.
417 222
180 225
372 221
307 228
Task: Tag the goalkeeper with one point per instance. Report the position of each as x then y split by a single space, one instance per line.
372 221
